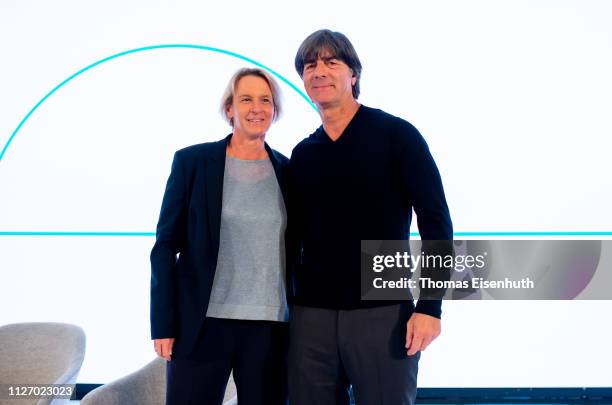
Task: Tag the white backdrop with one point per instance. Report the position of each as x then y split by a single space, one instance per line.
513 97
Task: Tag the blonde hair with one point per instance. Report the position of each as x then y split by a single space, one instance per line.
228 94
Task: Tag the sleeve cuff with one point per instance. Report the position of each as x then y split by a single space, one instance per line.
429 307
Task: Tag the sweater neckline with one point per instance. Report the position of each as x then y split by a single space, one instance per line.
346 131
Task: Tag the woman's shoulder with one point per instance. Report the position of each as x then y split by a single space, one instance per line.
279 157
202 150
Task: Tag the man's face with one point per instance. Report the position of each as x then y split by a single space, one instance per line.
252 109
328 81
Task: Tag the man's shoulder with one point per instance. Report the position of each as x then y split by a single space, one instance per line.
391 128
382 117
311 139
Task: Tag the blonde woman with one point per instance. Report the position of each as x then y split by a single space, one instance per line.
218 297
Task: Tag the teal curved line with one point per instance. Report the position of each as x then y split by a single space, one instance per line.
149 48
247 59
147 234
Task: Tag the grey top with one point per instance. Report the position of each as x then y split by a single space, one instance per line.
250 277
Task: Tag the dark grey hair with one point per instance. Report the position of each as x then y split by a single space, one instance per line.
337 44
230 90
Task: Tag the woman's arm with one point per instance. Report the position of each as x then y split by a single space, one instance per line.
171 229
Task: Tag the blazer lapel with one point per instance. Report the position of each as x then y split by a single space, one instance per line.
215 170
280 173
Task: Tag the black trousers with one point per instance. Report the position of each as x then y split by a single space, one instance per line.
332 349
254 350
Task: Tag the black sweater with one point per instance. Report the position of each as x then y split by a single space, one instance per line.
363 186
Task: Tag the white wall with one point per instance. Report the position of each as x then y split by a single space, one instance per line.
513 97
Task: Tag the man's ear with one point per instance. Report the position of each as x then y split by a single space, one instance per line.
353 77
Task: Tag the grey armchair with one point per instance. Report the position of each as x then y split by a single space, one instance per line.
146 386
40 353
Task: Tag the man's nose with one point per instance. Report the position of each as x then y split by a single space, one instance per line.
320 69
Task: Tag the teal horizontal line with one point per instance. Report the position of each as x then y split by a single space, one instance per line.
597 233
50 233
18 233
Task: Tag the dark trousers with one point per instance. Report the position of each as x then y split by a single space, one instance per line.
254 350
332 349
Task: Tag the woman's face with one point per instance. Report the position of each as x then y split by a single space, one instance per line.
252 108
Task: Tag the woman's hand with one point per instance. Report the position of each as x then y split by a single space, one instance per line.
163 347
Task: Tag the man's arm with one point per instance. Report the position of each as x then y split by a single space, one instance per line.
420 176
422 180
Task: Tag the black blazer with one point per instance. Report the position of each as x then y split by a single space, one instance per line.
184 257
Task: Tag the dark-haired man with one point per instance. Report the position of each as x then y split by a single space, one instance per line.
357 177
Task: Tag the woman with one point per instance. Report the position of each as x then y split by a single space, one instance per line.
218 300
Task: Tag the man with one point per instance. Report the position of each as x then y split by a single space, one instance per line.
357 177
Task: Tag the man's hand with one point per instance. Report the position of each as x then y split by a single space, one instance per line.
421 330
163 347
